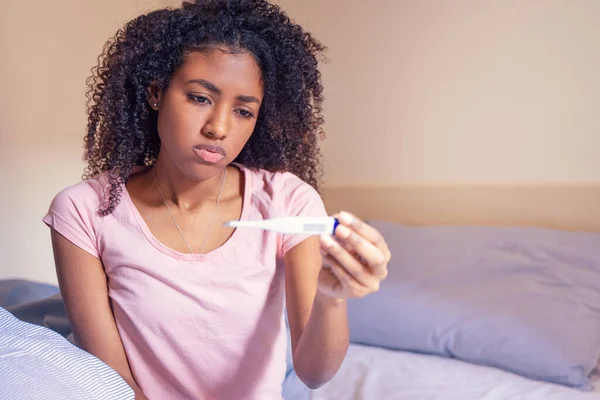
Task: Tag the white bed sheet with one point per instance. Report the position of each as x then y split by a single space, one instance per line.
370 373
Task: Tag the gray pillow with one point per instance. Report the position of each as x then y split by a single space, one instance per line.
519 299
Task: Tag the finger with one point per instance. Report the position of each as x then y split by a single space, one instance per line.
348 249
361 227
367 251
343 258
347 281
365 230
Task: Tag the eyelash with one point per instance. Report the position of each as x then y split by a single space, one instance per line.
242 113
198 98
245 114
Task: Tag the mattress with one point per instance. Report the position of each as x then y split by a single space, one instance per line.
371 373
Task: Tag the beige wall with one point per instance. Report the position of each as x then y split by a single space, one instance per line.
459 91
418 92
48 49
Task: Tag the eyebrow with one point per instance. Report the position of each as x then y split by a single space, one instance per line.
213 88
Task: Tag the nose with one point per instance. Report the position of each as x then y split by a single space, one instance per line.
217 124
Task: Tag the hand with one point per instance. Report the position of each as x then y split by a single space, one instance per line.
354 260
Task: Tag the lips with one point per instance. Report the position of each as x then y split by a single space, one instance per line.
209 153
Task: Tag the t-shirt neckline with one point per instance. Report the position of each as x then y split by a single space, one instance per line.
187 256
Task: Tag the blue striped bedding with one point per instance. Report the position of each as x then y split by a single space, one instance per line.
38 363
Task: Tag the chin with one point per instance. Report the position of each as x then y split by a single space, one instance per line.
201 172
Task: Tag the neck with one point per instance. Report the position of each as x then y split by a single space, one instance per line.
185 193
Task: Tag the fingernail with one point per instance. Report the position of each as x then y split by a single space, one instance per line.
327 240
346 217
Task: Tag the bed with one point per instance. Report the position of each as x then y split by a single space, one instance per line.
376 373
540 246
531 333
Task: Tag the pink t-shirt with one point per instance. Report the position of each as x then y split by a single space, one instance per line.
195 326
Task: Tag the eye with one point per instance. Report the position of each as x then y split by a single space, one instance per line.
199 99
245 113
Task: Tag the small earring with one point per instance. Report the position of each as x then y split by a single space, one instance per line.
155 105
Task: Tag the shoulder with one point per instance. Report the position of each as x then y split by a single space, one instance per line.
281 183
86 195
287 192
74 212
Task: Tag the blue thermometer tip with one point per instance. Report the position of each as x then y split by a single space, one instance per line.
335 225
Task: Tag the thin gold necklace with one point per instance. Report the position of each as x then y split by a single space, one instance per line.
173 218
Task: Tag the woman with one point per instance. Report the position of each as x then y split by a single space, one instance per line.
199 115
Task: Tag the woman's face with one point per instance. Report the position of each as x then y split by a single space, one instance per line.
209 111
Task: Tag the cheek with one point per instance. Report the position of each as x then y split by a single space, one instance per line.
244 132
176 126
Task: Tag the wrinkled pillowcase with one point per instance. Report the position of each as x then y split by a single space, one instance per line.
523 300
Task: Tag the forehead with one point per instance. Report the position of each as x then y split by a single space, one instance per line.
237 72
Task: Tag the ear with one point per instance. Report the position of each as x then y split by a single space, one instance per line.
154 96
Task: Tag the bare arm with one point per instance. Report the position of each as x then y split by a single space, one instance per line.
83 285
356 261
318 323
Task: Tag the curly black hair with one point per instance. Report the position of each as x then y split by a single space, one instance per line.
122 128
